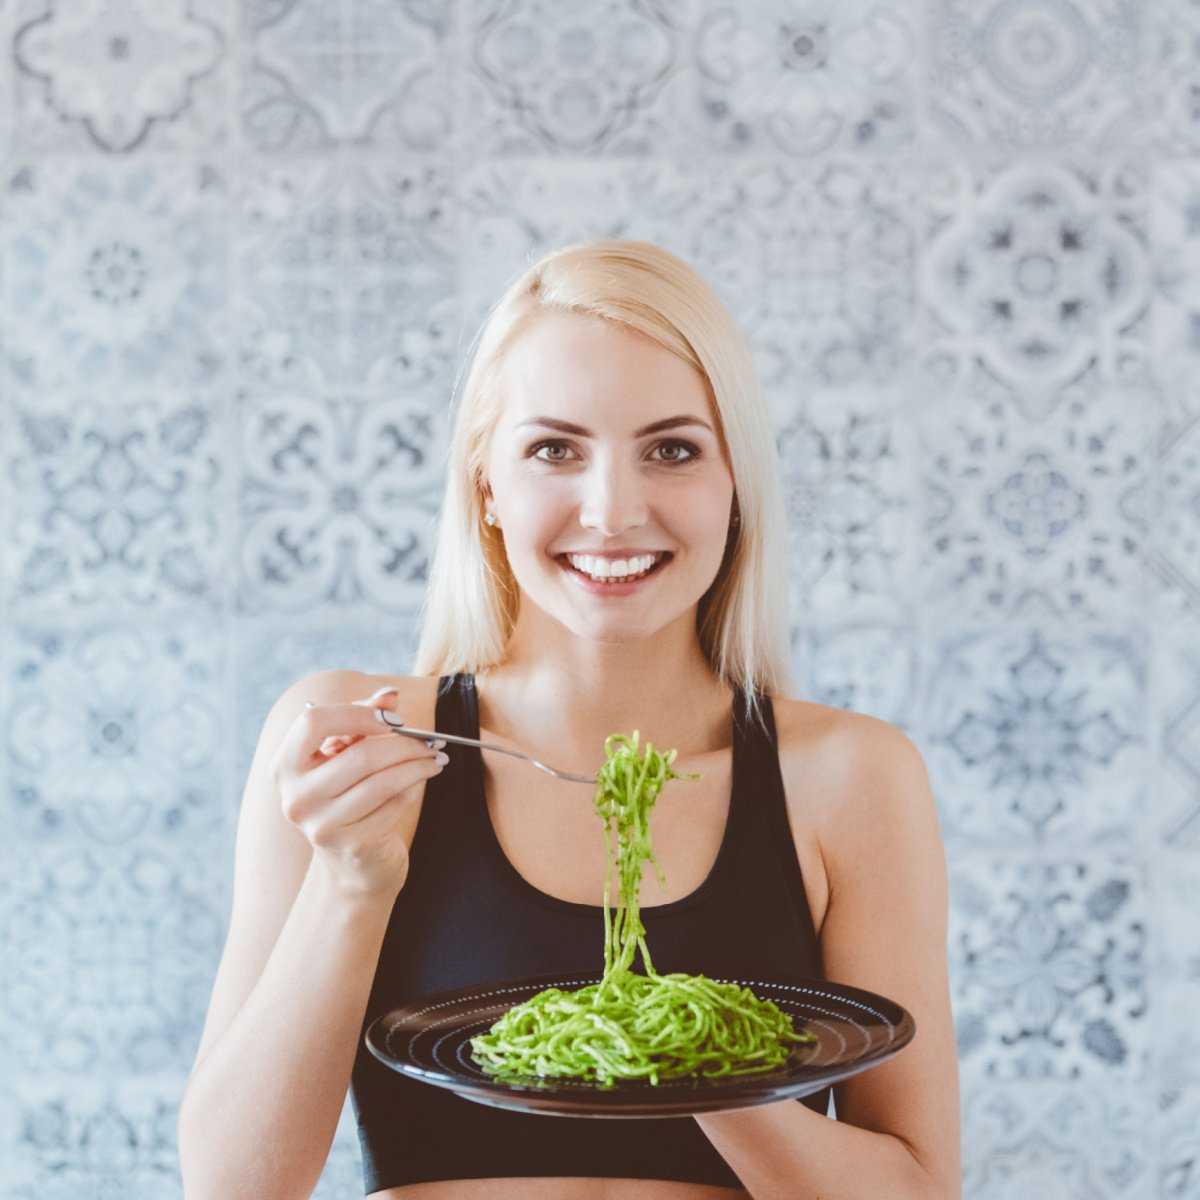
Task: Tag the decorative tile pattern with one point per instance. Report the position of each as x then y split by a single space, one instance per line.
1037 737
347 275
1177 1041
1034 72
1039 273
116 274
1176 527
1177 672
1173 75
1069 1143
79 1138
110 957
112 734
1178 1145
335 501
864 667
803 78
363 72
115 503
817 266
1049 970
1175 234
544 76
1037 521
846 465
117 76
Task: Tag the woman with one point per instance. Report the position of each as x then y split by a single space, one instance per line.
611 557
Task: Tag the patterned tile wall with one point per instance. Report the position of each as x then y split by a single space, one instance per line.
243 251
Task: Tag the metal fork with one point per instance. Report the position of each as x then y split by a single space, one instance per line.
397 726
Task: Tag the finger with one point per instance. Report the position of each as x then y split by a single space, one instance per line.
368 795
312 726
319 786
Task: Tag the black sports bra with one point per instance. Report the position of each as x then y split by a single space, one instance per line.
466 916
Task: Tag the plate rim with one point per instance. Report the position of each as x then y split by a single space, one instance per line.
668 1099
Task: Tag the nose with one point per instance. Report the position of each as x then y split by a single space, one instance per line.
613 499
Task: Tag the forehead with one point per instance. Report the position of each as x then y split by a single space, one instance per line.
563 363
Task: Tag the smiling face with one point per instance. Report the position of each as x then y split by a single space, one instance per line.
608 479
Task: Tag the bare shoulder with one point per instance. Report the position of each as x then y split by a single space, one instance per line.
845 766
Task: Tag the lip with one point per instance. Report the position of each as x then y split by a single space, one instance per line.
614 554
623 587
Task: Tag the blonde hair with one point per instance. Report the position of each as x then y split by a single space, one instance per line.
471 604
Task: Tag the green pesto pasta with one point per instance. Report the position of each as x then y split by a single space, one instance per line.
631 1026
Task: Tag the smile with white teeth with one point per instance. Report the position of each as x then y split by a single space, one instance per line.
613 568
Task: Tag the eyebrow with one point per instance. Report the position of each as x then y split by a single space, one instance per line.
653 427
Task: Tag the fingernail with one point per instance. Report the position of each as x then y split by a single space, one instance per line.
441 759
385 691
436 743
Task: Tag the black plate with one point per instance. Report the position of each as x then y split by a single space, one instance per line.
430 1040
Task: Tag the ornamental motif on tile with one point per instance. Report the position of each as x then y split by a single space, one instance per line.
337 502
543 76
116 274
1038 521
1039 274
113 734
817 267
82 1139
110 959
1034 72
802 78
115 504
120 70
1049 969
1178 733
1050 1142
845 467
348 275
362 73
1037 737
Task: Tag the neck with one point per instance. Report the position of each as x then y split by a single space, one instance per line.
568 698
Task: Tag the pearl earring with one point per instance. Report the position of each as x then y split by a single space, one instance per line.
489 518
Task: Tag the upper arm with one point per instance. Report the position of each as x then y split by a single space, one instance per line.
885 927
271 855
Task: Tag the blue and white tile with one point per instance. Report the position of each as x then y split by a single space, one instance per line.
1175 313
271 655
1175 528
1035 73
1172 75
1038 736
1036 521
1050 970
547 78
120 78
110 957
800 79
347 274
1178 1145
816 266
67 1136
117 274
1177 963
337 500
1176 717
1038 272
112 732
363 73
862 666
1057 1142
118 501
847 462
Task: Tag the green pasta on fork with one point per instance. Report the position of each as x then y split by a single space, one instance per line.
628 1025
